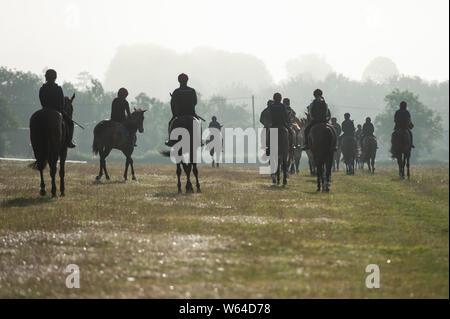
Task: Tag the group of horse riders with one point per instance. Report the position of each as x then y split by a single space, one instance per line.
281 115
278 113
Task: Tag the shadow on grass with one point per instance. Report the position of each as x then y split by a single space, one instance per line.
24 201
167 194
100 182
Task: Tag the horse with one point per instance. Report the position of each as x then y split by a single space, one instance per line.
215 156
48 140
322 139
369 152
186 122
296 153
312 165
337 155
109 134
401 150
282 156
349 153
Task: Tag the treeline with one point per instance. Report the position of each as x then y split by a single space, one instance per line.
428 103
19 99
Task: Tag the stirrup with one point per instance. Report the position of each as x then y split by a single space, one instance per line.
71 145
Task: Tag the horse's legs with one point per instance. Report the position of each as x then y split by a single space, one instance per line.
278 171
52 164
187 170
407 164
106 153
127 162
133 177
285 169
42 191
62 162
102 157
195 171
319 176
178 177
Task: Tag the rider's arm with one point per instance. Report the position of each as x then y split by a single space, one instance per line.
61 99
41 97
127 108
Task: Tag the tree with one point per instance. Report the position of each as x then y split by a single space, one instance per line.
380 70
427 124
8 122
311 66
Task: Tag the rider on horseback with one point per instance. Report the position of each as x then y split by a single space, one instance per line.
319 113
367 130
402 120
120 110
348 127
183 102
52 97
291 120
214 123
279 117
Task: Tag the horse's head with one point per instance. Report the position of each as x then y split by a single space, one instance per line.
68 106
138 118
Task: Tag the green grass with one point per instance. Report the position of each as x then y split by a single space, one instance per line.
240 238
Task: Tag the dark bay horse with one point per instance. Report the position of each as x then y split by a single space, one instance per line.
186 122
349 150
47 134
401 150
322 139
109 134
312 165
337 155
282 156
369 152
296 153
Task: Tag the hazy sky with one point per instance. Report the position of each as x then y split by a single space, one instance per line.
74 36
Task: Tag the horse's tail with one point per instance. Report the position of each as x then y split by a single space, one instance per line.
165 153
39 142
96 144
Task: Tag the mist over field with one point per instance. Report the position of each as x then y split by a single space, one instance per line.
357 52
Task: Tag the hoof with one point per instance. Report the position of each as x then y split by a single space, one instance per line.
107 178
133 178
53 195
62 194
199 190
97 178
42 192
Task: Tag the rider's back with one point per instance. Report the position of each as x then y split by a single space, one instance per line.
183 101
51 96
118 108
319 110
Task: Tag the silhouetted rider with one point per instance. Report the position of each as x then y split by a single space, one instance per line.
319 113
348 127
402 120
183 102
336 126
52 97
120 111
279 117
214 123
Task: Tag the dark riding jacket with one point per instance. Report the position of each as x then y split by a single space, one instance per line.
319 111
183 101
215 124
51 96
120 109
338 128
368 129
348 127
279 115
402 119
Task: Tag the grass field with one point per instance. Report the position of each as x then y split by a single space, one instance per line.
240 238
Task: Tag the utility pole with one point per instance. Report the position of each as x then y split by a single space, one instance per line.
253 110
